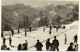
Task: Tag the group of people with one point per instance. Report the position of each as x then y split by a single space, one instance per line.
51 29
49 46
55 45
4 40
70 48
10 39
52 46
4 46
23 46
30 29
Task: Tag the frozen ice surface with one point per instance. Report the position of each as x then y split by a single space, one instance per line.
39 34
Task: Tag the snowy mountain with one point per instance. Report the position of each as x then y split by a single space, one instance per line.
12 15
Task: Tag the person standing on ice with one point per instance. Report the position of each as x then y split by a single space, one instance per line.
47 44
12 32
63 27
70 48
10 40
19 46
50 27
25 32
56 44
26 45
18 31
30 29
56 28
49 31
75 38
44 28
4 40
1 33
38 46
65 38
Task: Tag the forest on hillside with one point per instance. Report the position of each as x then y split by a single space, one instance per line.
23 16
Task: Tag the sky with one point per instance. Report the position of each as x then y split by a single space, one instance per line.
37 3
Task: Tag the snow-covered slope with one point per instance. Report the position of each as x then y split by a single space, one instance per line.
75 23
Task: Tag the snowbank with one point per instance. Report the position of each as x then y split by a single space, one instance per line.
75 23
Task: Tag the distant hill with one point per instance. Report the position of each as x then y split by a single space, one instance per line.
15 15
12 14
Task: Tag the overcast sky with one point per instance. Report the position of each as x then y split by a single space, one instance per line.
38 3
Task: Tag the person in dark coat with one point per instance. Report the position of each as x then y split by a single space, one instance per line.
63 27
47 44
75 38
49 31
12 32
50 27
10 40
1 33
38 46
25 45
56 44
18 31
4 40
30 29
70 48
19 46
